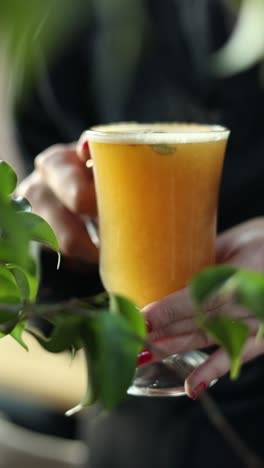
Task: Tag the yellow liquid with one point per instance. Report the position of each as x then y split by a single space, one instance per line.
157 209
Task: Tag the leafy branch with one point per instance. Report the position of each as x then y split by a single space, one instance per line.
107 336
234 286
111 333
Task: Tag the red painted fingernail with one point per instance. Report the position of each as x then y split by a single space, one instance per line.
85 146
144 357
197 391
148 326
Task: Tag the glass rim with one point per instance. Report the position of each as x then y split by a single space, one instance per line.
206 133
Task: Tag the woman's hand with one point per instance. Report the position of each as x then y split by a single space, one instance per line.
171 321
61 190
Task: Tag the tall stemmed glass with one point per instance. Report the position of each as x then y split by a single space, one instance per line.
157 193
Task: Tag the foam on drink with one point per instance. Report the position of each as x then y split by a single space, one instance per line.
157 133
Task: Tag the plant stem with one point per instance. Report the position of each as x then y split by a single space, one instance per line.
13 309
250 460
217 419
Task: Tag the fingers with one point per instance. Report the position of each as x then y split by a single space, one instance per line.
179 327
164 316
68 227
60 190
187 338
68 178
172 308
237 244
180 344
189 325
218 364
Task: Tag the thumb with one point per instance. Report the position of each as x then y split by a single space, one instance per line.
82 147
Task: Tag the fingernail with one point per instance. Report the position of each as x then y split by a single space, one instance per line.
85 147
148 326
197 391
144 357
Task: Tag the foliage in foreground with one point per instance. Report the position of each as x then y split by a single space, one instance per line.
110 332
111 341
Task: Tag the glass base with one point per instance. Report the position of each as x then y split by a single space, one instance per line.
166 378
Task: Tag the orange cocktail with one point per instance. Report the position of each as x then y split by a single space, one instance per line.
157 192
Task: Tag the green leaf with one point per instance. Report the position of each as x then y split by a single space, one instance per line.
131 313
17 332
9 254
21 204
91 394
39 230
8 179
9 292
209 281
113 352
111 342
65 334
22 282
28 279
33 276
231 334
14 240
249 291
7 322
